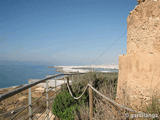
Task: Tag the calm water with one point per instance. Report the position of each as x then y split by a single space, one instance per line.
11 75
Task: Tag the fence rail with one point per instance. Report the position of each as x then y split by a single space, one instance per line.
16 91
91 88
14 113
32 112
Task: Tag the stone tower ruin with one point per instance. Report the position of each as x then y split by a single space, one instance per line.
139 69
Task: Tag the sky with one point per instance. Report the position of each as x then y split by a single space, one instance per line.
64 32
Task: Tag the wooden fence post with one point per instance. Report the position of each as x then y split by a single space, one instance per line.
90 104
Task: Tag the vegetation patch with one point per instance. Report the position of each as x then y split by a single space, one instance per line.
154 107
66 108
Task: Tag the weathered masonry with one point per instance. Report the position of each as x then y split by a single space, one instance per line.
139 69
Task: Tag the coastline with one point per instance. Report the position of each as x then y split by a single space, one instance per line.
70 69
84 69
39 89
10 88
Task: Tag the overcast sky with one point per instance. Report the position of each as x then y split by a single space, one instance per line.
64 32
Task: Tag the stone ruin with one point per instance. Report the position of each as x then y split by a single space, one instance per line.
139 69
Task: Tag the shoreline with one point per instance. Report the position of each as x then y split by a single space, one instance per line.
12 87
84 69
72 69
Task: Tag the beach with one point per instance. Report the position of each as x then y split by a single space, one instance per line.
86 68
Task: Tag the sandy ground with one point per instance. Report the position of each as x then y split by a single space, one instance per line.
19 100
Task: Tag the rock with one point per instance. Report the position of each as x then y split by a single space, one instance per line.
140 1
22 98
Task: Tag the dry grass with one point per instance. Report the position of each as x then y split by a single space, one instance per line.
20 100
106 83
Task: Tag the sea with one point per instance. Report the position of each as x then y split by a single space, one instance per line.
19 74
13 75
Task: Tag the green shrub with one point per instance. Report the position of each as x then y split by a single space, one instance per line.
64 106
69 113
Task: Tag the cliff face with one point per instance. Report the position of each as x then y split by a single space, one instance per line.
144 28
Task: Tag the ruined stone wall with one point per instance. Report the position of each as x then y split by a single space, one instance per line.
139 79
139 69
144 28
